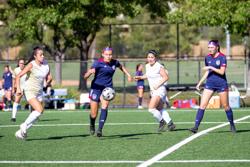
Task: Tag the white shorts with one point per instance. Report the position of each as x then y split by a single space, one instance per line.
161 92
33 94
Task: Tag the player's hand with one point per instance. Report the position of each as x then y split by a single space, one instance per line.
130 79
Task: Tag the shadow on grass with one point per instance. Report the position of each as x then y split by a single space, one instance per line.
134 136
184 129
47 120
238 131
57 137
1 136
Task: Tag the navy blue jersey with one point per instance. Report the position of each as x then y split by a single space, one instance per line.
7 76
103 73
214 79
140 82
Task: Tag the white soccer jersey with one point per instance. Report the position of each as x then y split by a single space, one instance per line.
22 79
153 74
36 77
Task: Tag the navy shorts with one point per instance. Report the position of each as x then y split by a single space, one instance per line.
140 86
217 89
95 94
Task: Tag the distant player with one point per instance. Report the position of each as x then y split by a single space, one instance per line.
103 70
8 87
216 81
157 77
38 70
18 97
140 84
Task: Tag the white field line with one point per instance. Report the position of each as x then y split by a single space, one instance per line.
117 124
183 142
126 162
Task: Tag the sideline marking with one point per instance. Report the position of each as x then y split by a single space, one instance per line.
126 162
117 124
183 142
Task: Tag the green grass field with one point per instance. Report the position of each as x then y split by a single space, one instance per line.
61 138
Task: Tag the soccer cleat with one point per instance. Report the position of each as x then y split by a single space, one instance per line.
13 119
19 135
233 129
140 107
23 128
92 130
162 125
171 126
194 130
99 133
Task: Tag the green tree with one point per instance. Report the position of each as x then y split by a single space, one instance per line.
73 22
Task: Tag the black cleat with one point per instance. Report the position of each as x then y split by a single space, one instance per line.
92 130
162 125
233 129
13 119
171 126
99 133
194 130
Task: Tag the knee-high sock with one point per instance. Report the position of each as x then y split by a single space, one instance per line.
92 120
103 117
34 115
165 116
156 113
140 101
14 110
199 116
230 117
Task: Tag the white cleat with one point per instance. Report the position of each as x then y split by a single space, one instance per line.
23 129
140 107
19 135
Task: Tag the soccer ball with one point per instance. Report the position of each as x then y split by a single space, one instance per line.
108 94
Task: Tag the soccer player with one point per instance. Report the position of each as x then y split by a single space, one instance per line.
157 76
17 70
38 70
103 70
7 85
140 84
216 81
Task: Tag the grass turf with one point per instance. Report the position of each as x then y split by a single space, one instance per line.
129 135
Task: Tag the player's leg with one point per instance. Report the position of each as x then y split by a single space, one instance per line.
15 107
228 110
94 105
93 115
103 116
140 97
31 119
165 115
8 97
152 108
207 94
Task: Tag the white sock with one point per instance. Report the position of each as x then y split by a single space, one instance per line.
14 110
32 118
156 113
165 115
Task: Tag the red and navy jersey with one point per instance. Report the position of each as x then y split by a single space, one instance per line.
7 76
140 82
213 78
104 72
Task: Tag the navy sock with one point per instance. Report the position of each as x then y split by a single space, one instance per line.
92 121
230 116
199 116
103 117
140 101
